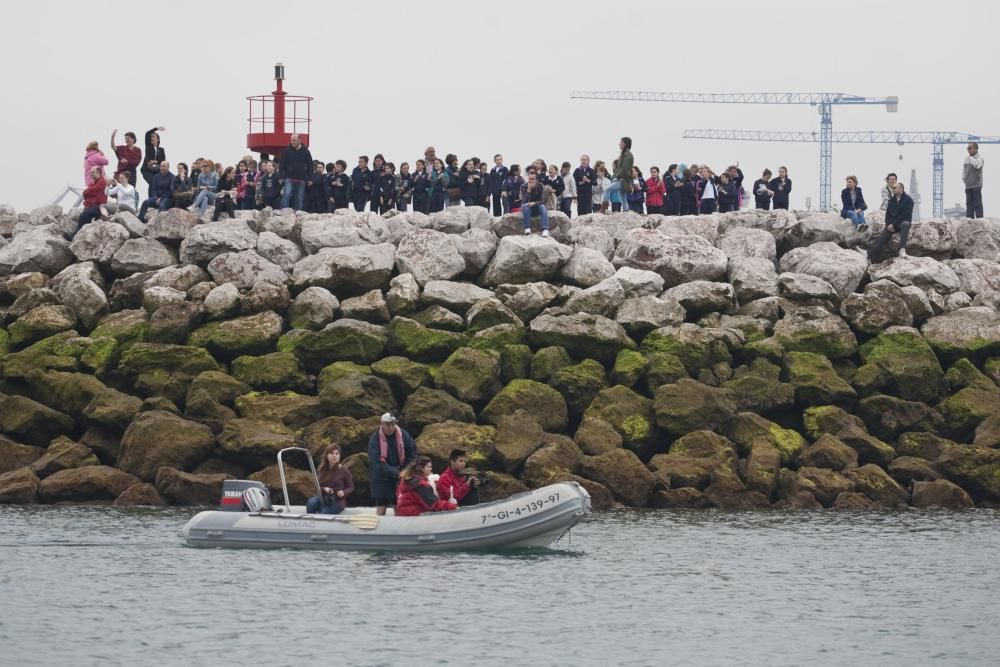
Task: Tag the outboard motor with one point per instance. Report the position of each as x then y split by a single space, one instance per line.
236 499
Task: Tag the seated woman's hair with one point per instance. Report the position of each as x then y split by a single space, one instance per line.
324 462
411 470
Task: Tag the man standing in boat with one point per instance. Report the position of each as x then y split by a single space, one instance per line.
390 449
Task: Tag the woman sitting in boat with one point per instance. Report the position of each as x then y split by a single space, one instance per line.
336 482
415 495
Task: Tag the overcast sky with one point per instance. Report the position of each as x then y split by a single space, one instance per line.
486 77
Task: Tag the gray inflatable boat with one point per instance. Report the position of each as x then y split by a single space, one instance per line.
535 518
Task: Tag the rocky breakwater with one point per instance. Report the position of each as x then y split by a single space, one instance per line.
753 359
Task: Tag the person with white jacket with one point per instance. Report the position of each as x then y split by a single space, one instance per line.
972 175
569 193
124 193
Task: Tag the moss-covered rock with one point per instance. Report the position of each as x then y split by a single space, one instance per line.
621 471
664 368
437 441
768 349
869 448
428 406
829 452
253 442
339 369
901 363
159 369
964 374
630 414
190 489
125 327
18 487
515 362
815 331
288 408
518 436
763 465
112 409
887 416
4 342
156 439
965 410
822 419
220 386
404 376
63 454
545 403
975 469
100 356
596 436
746 428
31 422
357 396
250 335
630 366
688 405
500 486
60 352
696 347
471 376
966 332
908 469
415 341
579 384
584 335
923 445
301 484
202 408
343 340
555 461
278 371
67 392
760 389
816 382
876 483
498 337
678 471
547 361
680 499
39 323
351 434
85 484
940 493
705 445
824 484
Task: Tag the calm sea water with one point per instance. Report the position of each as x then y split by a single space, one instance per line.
101 586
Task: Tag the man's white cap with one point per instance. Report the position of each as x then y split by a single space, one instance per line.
388 418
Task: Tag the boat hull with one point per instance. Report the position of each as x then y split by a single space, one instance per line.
536 518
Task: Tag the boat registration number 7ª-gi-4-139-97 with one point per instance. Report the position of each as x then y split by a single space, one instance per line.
527 508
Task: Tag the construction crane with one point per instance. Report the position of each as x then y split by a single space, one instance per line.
937 139
824 102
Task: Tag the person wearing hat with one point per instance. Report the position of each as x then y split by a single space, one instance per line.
390 449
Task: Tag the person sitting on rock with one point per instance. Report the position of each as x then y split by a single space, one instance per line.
532 196
183 187
335 481
124 193
94 197
853 204
898 215
414 496
455 484
390 449
161 191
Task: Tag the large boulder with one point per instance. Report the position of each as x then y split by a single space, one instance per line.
31 422
63 454
525 259
113 409
98 242
876 483
748 242
278 371
488 313
253 334
155 439
340 231
403 296
84 484
816 330
138 255
313 309
351 434
584 335
253 442
18 487
413 340
173 225
940 493
883 304
842 268
530 299
603 298
640 315
629 413
829 452
279 251
518 436
579 384
352 270
586 267
967 332
476 246
816 382
978 239
703 296
900 362
688 405
752 278
472 376
342 340
368 307
922 272
39 323
677 258
183 488
697 347
975 469
245 268
357 396
542 401
140 495
39 250
205 242
429 255
293 410
746 428
455 296
622 472
886 417
437 441
159 369
427 406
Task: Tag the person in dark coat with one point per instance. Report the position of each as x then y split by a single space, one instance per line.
762 192
498 174
317 190
294 169
898 217
584 177
335 481
468 183
361 184
390 449
154 155
781 187
338 185
420 184
852 202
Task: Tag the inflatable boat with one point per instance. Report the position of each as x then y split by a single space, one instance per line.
535 518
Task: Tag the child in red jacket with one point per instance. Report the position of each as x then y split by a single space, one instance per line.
414 495
655 190
455 485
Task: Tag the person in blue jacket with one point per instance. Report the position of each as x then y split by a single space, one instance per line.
390 449
295 168
853 204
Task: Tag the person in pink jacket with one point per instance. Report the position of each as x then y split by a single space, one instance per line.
93 158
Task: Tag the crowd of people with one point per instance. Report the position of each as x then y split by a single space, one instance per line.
433 184
399 477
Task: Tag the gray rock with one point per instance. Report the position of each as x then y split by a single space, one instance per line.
455 296
283 226
964 332
403 296
586 267
638 282
512 224
922 272
355 269
584 335
529 299
752 278
313 309
81 271
133 225
264 296
918 303
978 239
85 299
222 302
804 287
280 251
748 242
155 298
180 278
525 259
595 238
99 241
815 227
640 315
341 231
477 247
369 307
703 296
38 250
677 258
245 268
488 313
172 225
813 329
705 226
138 255
50 210
931 238
882 305
205 242
956 300
428 255
439 317
604 298
458 219
975 275
838 266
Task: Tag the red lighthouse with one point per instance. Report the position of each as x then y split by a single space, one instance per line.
276 117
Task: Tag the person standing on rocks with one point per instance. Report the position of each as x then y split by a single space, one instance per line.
161 191
361 184
420 184
972 176
512 189
129 156
890 182
584 177
621 179
294 169
94 157
782 187
390 449
338 185
898 216
153 156
762 192
498 174
270 186
532 198
656 188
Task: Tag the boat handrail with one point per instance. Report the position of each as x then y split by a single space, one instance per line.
312 468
